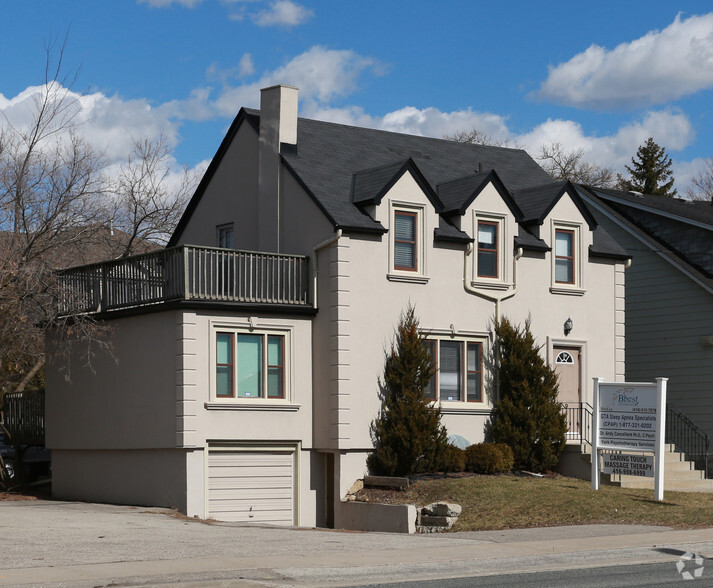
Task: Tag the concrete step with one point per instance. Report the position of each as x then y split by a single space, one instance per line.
699 485
680 474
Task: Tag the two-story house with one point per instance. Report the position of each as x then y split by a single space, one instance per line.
244 360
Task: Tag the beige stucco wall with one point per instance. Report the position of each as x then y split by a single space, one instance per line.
138 477
230 197
135 427
121 396
356 322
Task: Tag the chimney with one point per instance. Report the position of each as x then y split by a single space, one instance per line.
278 124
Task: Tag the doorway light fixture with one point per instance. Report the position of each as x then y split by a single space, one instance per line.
568 325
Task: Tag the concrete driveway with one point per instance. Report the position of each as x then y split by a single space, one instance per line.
63 543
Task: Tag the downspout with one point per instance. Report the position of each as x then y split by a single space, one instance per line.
322 245
497 299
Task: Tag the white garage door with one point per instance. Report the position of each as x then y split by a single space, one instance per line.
251 486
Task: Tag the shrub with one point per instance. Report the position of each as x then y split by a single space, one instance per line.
489 458
453 459
527 416
407 434
508 456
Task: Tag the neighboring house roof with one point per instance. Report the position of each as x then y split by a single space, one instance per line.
682 227
345 168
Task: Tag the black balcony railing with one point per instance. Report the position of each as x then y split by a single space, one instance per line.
184 273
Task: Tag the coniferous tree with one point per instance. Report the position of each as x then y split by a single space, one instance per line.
651 172
407 434
527 417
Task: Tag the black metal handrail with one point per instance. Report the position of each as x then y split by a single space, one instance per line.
578 416
687 437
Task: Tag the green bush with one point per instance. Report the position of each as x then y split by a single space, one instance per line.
527 416
453 459
508 456
407 433
489 458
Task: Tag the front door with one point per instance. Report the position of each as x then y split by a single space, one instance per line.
568 362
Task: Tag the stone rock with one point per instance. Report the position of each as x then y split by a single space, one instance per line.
438 521
442 509
356 486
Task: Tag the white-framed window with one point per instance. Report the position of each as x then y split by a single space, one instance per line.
489 260
457 370
224 236
567 259
250 365
407 254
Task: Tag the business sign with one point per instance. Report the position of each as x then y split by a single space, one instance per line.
627 416
627 464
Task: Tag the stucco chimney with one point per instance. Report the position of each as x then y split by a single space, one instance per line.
278 124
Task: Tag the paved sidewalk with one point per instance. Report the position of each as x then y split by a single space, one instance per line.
62 543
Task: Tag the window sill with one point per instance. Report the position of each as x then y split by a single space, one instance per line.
502 286
271 406
567 290
469 410
413 279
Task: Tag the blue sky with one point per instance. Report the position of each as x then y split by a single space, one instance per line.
600 77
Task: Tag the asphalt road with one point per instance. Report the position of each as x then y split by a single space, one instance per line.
74 544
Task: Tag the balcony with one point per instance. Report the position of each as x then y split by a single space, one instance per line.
185 274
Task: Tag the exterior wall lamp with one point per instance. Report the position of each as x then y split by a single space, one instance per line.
568 325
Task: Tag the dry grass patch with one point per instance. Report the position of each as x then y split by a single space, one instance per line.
511 501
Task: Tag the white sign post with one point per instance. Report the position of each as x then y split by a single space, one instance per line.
629 417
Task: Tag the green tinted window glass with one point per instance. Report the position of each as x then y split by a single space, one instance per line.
249 366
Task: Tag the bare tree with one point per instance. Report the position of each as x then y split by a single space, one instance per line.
701 187
148 199
56 204
478 137
50 182
570 165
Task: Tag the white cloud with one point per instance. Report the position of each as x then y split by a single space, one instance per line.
672 130
284 13
245 67
657 68
321 75
108 124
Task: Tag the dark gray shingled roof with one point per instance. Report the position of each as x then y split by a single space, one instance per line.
328 154
683 227
344 168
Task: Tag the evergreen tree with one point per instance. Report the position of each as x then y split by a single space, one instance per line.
527 417
651 172
407 434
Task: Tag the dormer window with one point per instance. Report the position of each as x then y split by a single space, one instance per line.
489 262
567 254
564 256
407 250
487 249
405 240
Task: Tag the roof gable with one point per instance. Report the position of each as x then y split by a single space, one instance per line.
459 194
371 185
536 203
243 117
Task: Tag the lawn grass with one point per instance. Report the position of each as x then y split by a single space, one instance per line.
511 502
